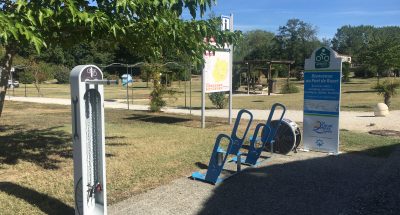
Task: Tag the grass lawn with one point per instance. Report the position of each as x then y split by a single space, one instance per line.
143 151
357 95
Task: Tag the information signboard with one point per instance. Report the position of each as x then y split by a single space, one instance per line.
322 89
216 71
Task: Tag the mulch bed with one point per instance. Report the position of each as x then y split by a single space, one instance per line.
389 133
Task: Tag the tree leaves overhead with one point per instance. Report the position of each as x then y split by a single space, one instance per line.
54 21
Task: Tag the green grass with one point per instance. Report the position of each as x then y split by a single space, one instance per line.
143 151
357 95
367 144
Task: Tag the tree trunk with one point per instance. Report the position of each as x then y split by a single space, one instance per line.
387 99
5 64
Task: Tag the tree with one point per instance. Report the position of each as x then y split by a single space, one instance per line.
383 55
149 27
296 40
40 72
358 41
388 89
257 44
352 40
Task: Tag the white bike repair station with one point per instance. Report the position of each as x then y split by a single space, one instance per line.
87 98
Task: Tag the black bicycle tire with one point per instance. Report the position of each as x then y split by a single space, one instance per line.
285 138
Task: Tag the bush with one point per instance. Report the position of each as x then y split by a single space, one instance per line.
388 89
26 77
346 72
289 88
218 99
363 72
156 98
62 74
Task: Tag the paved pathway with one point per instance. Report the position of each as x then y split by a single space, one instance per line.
350 120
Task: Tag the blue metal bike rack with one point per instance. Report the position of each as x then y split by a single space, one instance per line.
219 156
268 136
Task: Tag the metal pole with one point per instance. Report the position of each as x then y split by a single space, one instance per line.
127 90
230 74
248 78
270 83
132 85
185 86
190 94
203 100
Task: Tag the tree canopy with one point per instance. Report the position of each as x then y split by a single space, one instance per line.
153 28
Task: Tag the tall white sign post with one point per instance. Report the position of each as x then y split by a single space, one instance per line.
88 139
322 90
217 72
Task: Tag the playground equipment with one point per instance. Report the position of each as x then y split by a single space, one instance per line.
88 139
219 156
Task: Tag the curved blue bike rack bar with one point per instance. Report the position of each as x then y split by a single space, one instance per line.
268 136
219 156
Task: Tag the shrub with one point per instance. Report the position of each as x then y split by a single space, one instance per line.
346 72
156 99
289 88
363 72
62 74
388 89
26 77
218 99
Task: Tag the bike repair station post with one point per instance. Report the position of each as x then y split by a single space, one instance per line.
217 72
322 89
87 109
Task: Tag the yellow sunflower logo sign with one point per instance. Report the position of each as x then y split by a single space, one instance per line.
216 71
220 71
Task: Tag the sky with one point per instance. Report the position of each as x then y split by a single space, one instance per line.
326 15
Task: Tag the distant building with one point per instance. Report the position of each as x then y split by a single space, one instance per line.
345 58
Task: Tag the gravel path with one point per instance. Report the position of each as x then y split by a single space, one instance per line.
350 120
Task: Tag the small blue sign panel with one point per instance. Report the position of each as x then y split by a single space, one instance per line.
322 85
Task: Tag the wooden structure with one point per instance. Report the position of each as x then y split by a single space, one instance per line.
268 63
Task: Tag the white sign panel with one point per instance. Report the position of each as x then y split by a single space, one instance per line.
226 24
322 89
216 71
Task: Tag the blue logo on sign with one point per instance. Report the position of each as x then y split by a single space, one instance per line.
321 127
319 142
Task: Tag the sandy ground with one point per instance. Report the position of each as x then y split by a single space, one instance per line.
349 120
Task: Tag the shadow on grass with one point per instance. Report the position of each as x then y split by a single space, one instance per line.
45 203
196 108
158 119
356 106
349 183
361 91
37 146
201 165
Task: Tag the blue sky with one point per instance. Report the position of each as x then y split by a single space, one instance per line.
326 15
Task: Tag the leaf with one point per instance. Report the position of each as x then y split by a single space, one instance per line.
41 17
